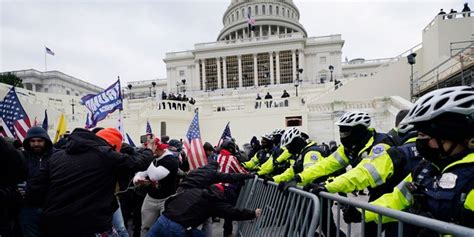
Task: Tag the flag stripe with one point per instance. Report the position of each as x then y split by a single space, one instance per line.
193 145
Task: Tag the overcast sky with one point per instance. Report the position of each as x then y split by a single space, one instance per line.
98 40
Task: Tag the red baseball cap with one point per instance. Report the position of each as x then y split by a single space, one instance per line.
159 144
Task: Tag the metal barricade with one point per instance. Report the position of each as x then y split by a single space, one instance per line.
294 213
402 217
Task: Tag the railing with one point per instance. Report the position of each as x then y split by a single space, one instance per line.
175 105
292 214
246 40
299 213
397 58
448 17
462 59
365 62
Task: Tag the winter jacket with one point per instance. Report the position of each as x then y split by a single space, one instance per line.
76 186
193 206
32 161
207 175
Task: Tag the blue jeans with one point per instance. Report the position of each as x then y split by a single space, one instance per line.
165 227
30 221
117 222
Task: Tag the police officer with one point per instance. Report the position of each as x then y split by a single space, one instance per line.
443 186
262 155
280 159
358 142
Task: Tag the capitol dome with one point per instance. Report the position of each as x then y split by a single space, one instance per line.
272 17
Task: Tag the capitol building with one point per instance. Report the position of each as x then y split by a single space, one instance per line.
266 54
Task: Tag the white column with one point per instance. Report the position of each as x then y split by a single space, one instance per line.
224 69
302 63
239 58
33 87
293 56
261 34
269 30
278 30
218 63
277 67
204 74
286 30
272 75
236 35
255 70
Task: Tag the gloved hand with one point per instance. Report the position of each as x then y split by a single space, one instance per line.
315 188
266 178
284 186
351 215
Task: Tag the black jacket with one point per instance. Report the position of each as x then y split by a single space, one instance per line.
10 169
33 162
192 207
76 186
205 176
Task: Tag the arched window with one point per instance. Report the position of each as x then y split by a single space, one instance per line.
263 10
249 12
232 17
283 11
277 11
288 13
243 13
256 10
270 9
237 14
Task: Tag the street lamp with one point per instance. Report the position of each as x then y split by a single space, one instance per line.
331 69
72 105
411 61
297 81
130 90
184 85
153 84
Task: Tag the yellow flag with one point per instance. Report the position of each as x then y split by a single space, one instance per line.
61 130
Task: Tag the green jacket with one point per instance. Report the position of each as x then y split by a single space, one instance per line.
309 157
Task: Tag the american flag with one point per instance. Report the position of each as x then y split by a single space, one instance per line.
225 135
148 128
193 145
49 51
229 163
13 117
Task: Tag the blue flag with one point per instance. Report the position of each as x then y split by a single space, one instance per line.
45 120
129 141
148 128
102 104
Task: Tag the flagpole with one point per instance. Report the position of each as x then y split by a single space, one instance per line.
45 60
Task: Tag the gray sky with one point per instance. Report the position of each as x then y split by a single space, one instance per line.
97 40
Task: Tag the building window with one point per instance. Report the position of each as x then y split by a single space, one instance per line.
288 13
286 67
68 92
232 17
243 13
263 67
283 11
322 60
200 74
249 12
232 67
263 10
256 10
294 121
247 70
211 74
77 94
181 72
221 63
270 9
277 11
46 89
274 68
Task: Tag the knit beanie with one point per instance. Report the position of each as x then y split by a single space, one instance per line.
112 136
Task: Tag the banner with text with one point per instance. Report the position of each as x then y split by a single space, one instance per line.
103 103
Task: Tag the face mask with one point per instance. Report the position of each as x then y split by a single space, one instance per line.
296 146
427 152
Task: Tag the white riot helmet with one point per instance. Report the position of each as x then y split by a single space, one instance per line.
278 131
458 100
289 135
354 118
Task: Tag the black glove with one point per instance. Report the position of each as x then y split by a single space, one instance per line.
315 188
266 178
351 215
284 186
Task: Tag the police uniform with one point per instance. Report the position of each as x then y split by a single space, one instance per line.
278 162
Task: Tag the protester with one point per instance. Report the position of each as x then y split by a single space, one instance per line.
210 152
466 10
268 96
285 94
63 186
188 209
164 169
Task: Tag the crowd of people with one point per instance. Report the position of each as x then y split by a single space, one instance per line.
466 12
92 184
178 97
